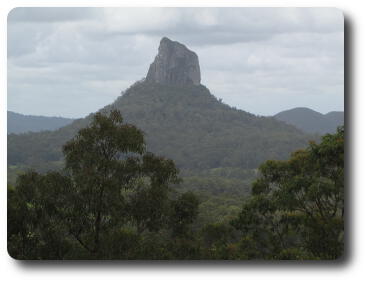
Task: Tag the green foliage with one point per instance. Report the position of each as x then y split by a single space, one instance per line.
36 215
109 194
149 206
297 206
184 211
221 192
218 241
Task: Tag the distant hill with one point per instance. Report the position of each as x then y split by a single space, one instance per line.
181 120
336 116
311 121
19 123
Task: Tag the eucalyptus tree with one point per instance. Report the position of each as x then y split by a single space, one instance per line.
115 180
297 206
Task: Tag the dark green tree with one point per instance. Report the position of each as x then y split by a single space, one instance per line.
185 210
93 203
297 206
149 203
37 212
112 177
219 241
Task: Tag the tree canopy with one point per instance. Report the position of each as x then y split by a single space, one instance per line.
297 206
109 184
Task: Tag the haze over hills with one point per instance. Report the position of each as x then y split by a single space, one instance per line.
311 121
336 116
19 123
182 120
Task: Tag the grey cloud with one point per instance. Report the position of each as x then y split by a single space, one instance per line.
220 25
49 15
74 61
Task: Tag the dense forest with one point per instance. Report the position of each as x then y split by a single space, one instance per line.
111 198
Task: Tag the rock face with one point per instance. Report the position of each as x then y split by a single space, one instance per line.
175 64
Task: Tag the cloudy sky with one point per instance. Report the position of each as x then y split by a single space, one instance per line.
73 61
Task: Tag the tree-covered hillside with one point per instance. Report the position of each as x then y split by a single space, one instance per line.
184 123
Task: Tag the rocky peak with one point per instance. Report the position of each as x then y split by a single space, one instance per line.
175 64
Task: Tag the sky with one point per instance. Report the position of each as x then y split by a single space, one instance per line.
70 62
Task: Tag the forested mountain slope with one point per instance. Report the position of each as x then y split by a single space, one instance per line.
185 123
192 127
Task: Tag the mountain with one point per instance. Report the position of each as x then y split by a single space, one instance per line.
181 119
337 117
19 123
311 121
